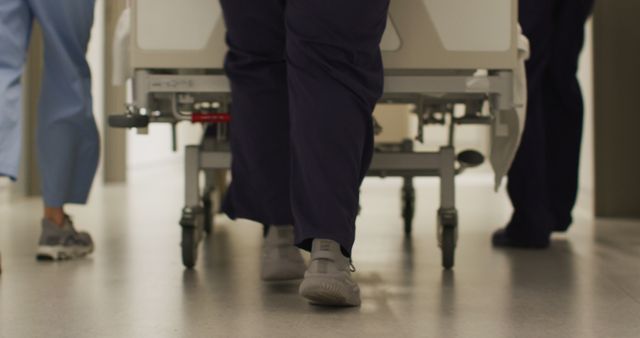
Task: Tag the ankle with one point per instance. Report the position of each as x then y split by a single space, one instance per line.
55 215
331 245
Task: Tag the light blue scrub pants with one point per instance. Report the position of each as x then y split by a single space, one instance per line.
67 137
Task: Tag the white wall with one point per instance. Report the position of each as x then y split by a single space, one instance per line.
587 174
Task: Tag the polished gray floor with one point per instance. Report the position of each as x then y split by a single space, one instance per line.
586 285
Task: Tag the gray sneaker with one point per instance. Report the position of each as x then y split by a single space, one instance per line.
58 243
280 259
328 280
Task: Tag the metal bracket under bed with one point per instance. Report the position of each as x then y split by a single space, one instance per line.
213 158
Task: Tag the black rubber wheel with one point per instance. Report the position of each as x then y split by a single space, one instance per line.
448 247
189 246
207 204
128 121
408 226
408 209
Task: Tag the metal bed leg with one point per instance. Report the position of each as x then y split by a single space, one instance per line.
215 178
221 185
192 214
208 200
447 215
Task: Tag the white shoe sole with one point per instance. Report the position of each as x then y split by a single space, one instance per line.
329 291
60 252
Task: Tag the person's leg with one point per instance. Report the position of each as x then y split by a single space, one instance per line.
256 67
531 222
564 110
335 77
68 142
15 29
67 137
259 189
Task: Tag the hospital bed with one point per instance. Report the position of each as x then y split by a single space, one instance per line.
439 55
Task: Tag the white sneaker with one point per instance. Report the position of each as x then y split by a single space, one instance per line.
328 280
281 260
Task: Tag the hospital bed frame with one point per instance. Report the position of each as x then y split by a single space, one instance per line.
188 91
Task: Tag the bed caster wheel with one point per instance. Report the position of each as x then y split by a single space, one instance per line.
448 247
408 209
408 205
408 226
189 247
129 121
207 205
191 234
448 236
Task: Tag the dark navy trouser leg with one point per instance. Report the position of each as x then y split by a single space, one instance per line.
543 180
303 143
256 67
564 110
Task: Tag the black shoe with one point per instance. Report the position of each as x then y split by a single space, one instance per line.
500 239
561 228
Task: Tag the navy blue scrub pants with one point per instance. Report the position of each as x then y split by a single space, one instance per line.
305 77
543 180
